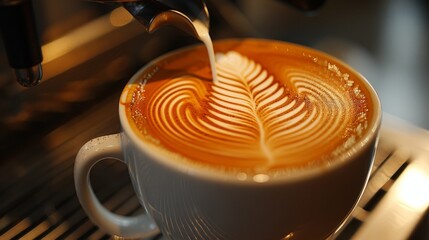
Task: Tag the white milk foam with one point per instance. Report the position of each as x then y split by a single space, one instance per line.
252 119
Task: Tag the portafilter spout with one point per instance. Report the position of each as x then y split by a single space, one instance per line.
18 29
153 14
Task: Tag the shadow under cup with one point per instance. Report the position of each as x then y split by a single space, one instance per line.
188 201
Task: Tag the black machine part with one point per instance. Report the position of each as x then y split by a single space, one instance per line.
18 29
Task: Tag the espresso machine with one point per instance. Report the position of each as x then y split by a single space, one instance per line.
23 49
18 27
91 48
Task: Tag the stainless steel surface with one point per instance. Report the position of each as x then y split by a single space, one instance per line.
165 15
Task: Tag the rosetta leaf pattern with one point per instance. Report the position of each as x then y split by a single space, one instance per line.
244 83
249 117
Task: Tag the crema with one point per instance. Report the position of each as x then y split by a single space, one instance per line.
275 106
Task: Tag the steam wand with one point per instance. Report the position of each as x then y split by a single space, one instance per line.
153 14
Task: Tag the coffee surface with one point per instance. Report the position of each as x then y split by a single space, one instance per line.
274 106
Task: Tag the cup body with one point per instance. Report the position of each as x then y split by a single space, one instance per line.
188 206
187 201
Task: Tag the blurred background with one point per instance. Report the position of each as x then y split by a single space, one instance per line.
91 50
387 41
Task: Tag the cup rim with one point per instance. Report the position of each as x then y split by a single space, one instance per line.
370 136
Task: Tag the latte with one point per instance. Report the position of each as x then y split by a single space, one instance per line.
275 106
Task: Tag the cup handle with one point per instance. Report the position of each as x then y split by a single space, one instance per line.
106 147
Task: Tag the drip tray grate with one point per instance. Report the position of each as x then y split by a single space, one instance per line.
38 200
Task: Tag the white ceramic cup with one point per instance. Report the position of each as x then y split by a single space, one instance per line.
187 202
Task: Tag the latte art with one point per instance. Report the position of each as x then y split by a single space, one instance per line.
253 118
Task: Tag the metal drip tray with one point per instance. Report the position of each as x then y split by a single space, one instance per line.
38 200
396 200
